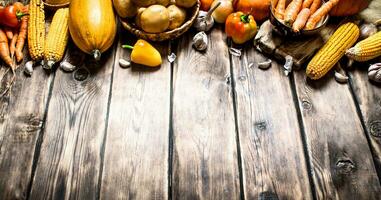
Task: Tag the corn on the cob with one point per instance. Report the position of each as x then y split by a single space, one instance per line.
343 38
57 38
36 29
367 49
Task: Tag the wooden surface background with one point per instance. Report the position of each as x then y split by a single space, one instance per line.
207 126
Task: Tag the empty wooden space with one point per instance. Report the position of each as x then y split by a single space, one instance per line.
209 125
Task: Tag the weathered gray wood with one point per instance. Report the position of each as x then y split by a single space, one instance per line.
368 96
341 161
136 155
22 114
271 146
70 158
205 163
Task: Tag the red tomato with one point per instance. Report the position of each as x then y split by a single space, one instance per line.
11 15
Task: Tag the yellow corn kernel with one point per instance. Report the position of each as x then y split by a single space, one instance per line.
57 38
367 49
36 29
343 38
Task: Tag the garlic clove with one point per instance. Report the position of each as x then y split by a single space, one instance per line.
341 78
200 41
29 68
124 63
265 65
67 67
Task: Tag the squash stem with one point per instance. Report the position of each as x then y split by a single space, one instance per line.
97 54
127 47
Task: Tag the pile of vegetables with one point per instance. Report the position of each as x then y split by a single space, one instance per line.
13 31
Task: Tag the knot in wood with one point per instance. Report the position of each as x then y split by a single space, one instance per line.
306 105
267 196
375 128
242 78
345 166
261 126
81 74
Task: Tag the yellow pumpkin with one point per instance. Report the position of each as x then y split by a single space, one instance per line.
92 25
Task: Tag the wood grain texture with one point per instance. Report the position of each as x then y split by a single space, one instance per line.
136 155
22 114
368 96
271 145
341 161
205 163
69 163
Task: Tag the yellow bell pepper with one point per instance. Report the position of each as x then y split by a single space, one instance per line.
144 53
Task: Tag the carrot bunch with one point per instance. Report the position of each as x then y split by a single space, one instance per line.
12 40
302 14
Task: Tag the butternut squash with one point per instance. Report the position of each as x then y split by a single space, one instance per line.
92 25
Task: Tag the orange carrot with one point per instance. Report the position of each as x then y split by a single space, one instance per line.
292 12
301 20
280 7
21 38
274 3
320 13
307 3
314 6
12 45
9 33
4 49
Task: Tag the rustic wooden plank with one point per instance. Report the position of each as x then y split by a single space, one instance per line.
136 154
368 97
341 161
22 114
205 163
272 153
69 163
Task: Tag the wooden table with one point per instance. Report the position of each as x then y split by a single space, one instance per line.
208 126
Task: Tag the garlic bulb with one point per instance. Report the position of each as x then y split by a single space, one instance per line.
367 30
374 72
200 41
205 21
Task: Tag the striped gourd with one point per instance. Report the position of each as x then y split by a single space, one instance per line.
343 38
367 49
56 40
36 29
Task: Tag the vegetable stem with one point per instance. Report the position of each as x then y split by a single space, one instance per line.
127 47
245 19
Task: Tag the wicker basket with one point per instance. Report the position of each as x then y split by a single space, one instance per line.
172 34
56 6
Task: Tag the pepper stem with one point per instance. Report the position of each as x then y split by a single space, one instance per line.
245 18
19 15
127 47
